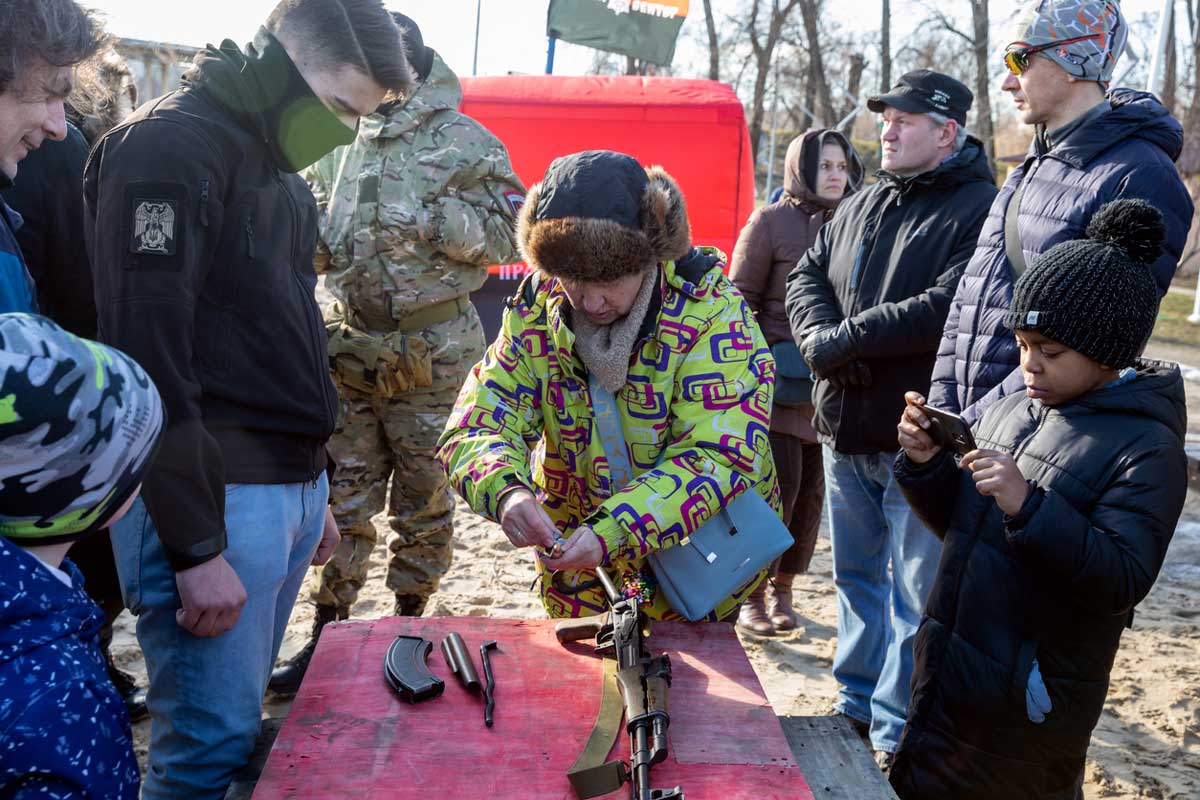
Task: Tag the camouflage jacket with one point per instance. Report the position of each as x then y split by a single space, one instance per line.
416 209
695 410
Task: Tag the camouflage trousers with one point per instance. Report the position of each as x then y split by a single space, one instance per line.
390 443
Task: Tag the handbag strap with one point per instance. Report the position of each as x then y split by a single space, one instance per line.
608 426
1012 236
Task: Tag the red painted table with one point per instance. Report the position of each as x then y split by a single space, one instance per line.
349 736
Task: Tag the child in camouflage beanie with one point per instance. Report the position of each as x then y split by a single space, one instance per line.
78 427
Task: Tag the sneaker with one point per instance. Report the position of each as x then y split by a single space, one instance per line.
883 759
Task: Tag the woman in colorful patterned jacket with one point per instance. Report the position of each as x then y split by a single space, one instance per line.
618 296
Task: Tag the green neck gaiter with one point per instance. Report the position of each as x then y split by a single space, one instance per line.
263 88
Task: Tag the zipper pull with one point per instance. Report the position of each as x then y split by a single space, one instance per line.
249 237
204 184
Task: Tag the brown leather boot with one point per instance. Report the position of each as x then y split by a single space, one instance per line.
753 616
779 596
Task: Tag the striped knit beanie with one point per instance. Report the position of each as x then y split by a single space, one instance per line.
79 423
1096 295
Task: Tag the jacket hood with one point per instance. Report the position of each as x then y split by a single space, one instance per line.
1134 114
966 166
441 91
795 184
1157 393
36 609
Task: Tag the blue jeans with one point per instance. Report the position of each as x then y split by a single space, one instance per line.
871 525
205 695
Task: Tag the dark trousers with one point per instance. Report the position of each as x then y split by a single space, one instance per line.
94 557
802 485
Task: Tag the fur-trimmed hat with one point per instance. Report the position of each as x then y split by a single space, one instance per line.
597 216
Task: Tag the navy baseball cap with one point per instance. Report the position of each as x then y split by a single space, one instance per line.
923 91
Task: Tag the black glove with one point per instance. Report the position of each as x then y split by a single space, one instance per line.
859 376
826 349
853 375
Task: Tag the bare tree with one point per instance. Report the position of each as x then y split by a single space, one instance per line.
1170 78
858 65
885 46
714 45
763 47
810 11
978 42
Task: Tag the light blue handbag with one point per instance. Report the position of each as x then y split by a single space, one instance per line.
721 555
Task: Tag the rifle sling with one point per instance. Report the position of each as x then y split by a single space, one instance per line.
591 775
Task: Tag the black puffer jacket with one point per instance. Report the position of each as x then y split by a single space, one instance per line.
889 261
1058 583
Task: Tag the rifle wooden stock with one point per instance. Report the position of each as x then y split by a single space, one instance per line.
577 630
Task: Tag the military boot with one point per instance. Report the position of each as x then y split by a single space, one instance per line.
285 679
409 605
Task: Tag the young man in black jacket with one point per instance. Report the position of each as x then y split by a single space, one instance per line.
202 237
867 303
1054 529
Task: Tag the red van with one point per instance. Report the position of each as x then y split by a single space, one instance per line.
695 129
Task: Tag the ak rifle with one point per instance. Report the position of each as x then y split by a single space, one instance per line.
642 681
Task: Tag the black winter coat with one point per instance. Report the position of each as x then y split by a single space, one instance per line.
1057 583
889 261
48 195
202 253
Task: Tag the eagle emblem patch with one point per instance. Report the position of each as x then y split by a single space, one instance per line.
153 227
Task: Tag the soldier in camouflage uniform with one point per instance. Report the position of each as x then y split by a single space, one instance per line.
412 214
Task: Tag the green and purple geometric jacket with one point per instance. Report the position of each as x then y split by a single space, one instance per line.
695 411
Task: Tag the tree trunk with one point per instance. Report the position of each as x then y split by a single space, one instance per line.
810 94
983 99
810 11
756 104
1170 79
763 50
885 46
714 49
1189 159
853 84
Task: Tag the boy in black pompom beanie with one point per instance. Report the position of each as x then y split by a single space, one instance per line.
1096 295
1052 530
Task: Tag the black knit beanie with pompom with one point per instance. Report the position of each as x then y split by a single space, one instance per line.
1096 295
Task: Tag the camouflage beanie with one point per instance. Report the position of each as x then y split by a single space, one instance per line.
1093 33
78 426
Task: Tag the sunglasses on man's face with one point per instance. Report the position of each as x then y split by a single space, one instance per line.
1017 58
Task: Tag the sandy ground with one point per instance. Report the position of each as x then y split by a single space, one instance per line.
1147 744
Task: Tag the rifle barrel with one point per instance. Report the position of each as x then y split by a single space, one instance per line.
609 587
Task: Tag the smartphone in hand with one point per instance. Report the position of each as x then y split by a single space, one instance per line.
949 431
